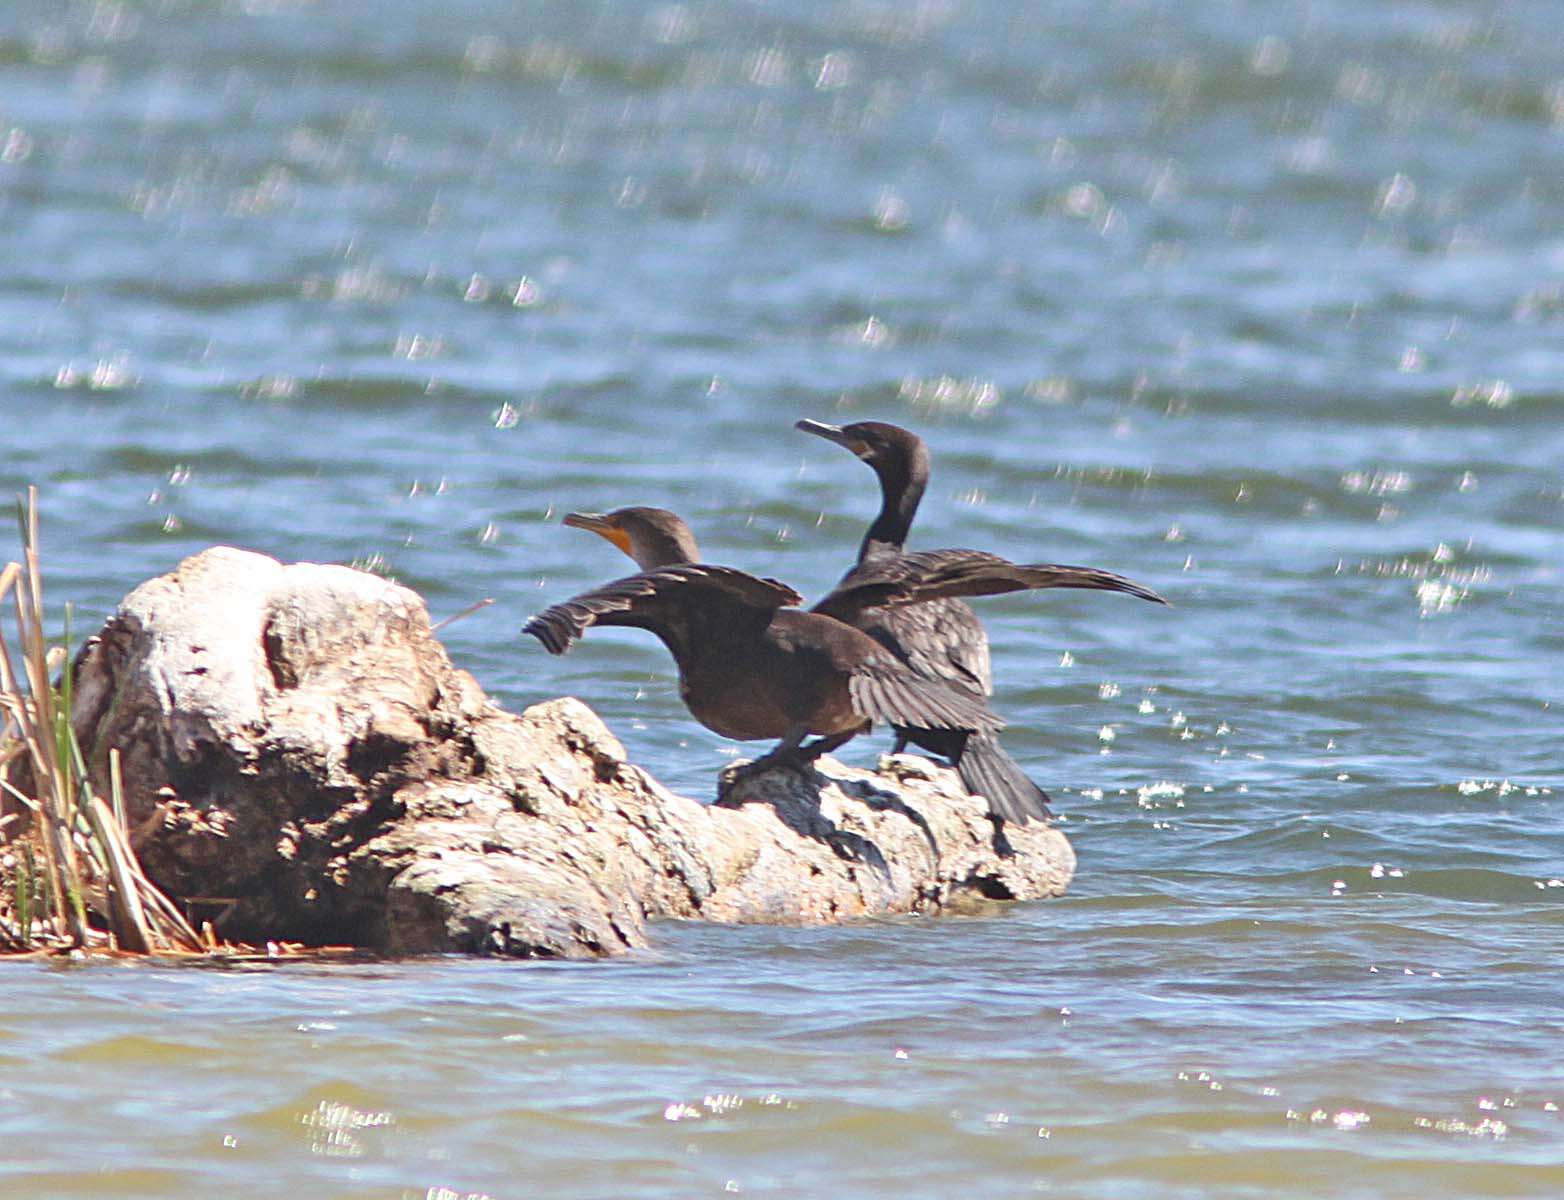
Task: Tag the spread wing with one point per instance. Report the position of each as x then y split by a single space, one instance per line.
657 600
944 574
886 691
941 639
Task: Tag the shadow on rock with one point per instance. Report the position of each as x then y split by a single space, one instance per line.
796 795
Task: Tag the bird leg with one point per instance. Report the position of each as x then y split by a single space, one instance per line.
785 755
789 754
824 745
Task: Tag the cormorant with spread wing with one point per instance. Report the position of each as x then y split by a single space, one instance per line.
751 666
942 639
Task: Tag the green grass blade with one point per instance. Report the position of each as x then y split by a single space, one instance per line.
65 668
23 896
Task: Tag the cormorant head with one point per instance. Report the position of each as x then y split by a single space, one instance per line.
893 452
654 537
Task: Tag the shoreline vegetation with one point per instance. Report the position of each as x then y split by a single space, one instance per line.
70 880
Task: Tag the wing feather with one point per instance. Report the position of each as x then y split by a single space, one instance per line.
944 574
636 600
886 691
941 639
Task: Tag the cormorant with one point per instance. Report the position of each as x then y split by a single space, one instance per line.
751 666
942 639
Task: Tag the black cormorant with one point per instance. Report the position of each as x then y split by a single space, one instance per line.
942 639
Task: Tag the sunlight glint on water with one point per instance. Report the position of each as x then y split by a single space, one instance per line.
1261 305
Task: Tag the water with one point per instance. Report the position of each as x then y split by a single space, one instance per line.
1260 304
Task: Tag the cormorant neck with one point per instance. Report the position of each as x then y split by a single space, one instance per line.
901 490
664 547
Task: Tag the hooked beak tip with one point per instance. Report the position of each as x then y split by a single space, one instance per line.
819 429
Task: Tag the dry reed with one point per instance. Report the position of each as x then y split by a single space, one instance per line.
75 883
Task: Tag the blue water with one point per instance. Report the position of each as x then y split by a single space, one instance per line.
1259 304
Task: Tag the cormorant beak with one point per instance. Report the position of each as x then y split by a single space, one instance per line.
601 525
834 433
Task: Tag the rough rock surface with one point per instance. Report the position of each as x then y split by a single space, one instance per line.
303 762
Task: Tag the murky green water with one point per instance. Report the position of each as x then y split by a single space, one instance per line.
1261 304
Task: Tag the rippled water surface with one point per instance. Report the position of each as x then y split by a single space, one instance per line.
1260 303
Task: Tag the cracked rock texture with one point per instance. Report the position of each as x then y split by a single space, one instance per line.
303 762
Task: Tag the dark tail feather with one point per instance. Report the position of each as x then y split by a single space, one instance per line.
988 771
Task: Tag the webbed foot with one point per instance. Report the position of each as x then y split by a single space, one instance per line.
740 773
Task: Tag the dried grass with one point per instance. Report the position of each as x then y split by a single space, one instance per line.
75 883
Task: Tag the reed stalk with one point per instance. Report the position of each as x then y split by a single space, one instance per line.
72 844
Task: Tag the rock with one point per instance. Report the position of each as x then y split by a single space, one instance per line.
303 762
